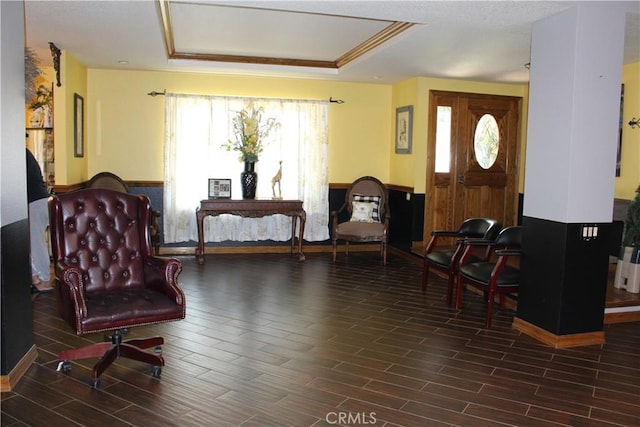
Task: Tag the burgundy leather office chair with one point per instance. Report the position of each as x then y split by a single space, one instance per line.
106 278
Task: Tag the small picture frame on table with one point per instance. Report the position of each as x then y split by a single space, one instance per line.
219 188
404 129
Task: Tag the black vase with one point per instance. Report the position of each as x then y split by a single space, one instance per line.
249 181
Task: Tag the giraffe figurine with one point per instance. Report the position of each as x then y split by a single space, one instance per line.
276 180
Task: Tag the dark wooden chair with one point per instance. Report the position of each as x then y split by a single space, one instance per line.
366 203
107 280
499 275
444 249
111 181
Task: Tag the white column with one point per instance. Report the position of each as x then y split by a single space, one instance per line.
574 107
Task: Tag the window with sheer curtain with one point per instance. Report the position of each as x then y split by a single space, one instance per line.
197 126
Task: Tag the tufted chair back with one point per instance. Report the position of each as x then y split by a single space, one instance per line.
103 234
110 181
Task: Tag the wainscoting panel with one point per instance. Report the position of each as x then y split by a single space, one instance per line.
17 338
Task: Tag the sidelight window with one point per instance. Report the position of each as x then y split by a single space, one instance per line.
443 139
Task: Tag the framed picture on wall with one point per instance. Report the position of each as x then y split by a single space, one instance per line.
219 188
78 125
404 126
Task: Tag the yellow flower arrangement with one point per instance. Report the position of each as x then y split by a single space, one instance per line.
250 132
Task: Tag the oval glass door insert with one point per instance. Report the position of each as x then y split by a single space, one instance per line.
486 141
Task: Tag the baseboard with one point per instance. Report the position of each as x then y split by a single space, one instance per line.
621 316
7 382
282 249
558 341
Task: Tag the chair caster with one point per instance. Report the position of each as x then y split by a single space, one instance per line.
156 371
94 383
64 366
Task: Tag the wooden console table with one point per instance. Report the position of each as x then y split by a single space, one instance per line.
254 208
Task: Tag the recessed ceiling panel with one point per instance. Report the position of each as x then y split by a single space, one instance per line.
208 29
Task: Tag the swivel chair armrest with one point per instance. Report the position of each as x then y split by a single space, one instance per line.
161 274
70 289
71 277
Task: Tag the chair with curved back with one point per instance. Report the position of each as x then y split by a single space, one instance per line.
445 257
498 275
366 203
111 181
107 279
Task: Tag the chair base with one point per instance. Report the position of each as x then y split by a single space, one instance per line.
109 352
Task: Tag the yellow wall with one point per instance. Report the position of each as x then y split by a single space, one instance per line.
629 178
402 166
73 76
125 130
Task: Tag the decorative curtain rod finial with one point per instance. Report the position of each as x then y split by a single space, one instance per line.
336 101
156 93
55 53
634 123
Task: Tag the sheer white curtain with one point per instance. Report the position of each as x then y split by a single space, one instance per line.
195 129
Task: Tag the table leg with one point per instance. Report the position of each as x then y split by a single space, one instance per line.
200 249
294 221
303 219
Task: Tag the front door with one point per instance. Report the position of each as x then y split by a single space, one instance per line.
472 161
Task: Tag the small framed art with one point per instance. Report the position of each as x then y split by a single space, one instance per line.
78 125
219 188
404 126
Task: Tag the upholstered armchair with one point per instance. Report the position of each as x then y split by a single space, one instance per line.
106 278
366 204
110 181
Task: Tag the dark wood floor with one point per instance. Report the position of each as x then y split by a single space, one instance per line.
271 341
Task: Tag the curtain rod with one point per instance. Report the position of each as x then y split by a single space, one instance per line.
164 92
